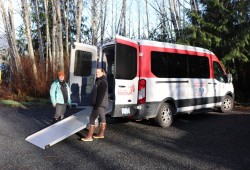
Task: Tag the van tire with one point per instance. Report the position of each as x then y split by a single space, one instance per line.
227 104
165 114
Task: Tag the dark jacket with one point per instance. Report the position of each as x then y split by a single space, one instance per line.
99 94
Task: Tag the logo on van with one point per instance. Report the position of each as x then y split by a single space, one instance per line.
132 89
199 89
128 91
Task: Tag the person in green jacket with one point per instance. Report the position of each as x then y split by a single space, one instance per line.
60 96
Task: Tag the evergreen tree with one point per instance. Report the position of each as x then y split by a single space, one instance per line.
224 28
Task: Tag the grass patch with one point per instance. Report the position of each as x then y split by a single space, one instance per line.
12 103
25 103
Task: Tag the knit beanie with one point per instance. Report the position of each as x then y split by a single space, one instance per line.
60 73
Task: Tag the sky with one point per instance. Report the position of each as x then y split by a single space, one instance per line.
17 19
132 13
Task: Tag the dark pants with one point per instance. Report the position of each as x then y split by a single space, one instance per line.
95 113
60 111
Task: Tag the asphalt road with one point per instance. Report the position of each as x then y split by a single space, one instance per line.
201 141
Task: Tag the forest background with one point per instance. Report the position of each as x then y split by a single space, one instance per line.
39 34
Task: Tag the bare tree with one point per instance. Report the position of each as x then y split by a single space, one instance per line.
40 40
59 31
78 20
48 42
66 21
139 19
10 33
94 22
174 17
101 20
122 21
112 20
148 29
103 17
54 38
194 5
28 35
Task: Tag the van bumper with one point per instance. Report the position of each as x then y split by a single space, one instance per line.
124 111
143 111
147 111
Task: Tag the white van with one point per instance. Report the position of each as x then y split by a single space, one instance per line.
149 79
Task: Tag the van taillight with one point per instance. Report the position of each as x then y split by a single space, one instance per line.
142 91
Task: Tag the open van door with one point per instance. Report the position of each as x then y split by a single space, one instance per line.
126 75
83 64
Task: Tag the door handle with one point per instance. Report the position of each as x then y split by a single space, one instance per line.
212 83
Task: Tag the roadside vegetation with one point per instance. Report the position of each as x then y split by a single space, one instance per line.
41 45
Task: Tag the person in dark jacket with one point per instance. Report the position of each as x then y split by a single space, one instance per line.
99 101
60 96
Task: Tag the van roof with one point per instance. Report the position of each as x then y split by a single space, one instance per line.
163 45
173 46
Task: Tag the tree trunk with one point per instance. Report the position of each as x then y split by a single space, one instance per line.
94 22
48 43
124 17
122 21
148 29
79 21
194 5
66 21
139 19
173 17
112 20
10 33
101 21
40 40
59 31
13 38
54 37
28 35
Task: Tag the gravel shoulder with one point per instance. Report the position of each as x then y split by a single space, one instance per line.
200 141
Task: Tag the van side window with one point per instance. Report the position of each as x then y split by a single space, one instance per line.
169 65
198 67
83 63
218 72
125 62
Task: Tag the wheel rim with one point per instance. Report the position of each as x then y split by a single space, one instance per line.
227 104
166 115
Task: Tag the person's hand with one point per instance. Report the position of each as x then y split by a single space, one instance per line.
54 105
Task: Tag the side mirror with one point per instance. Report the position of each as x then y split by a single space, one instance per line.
229 78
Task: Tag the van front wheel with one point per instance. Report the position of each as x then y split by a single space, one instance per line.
227 104
164 117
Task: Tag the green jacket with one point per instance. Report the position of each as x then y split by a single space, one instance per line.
56 93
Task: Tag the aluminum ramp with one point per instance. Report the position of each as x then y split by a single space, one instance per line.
60 130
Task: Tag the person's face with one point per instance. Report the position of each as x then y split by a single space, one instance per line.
61 77
99 73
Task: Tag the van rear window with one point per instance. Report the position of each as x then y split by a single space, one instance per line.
125 62
83 63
